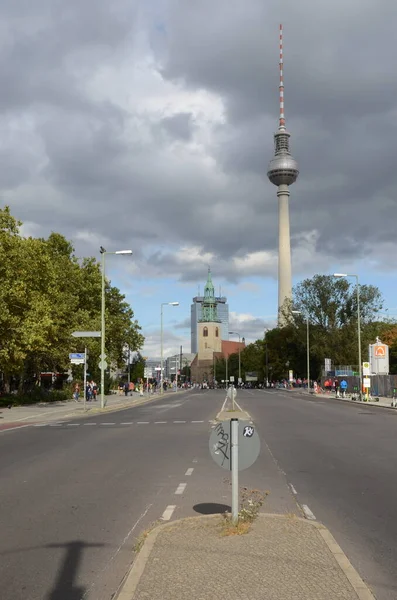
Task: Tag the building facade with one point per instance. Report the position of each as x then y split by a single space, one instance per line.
173 364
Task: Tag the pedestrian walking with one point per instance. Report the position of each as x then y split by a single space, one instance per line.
337 388
343 387
76 393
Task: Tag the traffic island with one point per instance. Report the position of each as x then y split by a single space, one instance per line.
281 557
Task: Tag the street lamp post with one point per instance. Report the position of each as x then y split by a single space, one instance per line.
266 358
298 312
104 253
360 366
239 353
161 341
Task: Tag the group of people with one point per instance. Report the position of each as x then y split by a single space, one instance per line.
339 387
91 391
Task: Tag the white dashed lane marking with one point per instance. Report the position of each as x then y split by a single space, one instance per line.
293 489
181 488
308 513
114 424
167 514
189 471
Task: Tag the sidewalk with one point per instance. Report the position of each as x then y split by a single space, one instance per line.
23 416
281 558
383 402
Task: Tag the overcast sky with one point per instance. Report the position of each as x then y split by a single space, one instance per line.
149 125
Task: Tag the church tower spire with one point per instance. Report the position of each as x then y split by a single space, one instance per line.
209 308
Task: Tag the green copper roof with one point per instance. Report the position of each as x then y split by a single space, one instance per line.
209 311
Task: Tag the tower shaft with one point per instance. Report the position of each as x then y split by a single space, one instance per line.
284 250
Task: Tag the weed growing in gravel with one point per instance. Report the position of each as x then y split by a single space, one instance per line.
251 501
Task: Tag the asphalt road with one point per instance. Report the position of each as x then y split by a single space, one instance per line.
75 496
341 459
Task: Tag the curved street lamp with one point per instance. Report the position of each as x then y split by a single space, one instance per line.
104 253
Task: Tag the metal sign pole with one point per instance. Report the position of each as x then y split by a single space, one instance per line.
234 457
85 375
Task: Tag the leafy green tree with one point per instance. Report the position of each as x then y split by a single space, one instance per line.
46 294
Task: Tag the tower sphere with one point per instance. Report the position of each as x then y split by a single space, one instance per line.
283 170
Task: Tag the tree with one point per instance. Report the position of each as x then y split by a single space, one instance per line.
46 294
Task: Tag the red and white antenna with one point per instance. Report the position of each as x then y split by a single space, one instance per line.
281 86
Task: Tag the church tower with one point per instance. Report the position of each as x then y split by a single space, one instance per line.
209 326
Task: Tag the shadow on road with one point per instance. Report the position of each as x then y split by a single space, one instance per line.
211 508
65 587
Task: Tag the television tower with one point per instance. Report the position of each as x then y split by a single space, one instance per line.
283 171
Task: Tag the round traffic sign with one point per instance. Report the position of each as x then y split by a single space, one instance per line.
231 392
249 444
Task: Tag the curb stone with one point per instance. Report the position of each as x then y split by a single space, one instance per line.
130 583
356 402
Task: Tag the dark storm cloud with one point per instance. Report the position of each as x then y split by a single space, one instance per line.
127 173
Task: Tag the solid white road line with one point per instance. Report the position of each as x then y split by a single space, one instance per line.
189 471
223 405
181 488
167 514
237 404
293 490
308 513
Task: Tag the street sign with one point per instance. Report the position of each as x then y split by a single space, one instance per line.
103 363
367 382
240 380
86 334
147 373
77 361
380 351
103 356
232 392
248 445
77 355
232 378
366 368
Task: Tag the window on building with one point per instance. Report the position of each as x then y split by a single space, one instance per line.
217 332
205 332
